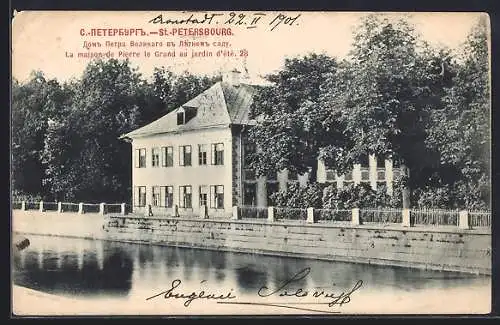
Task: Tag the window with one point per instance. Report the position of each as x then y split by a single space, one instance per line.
330 175
202 154
185 156
185 197
380 161
365 174
249 174
217 196
250 193
271 189
155 196
381 174
218 154
155 157
180 117
250 150
140 196
140 158
363 160
272 175
348 176
167 196
203 195
167 154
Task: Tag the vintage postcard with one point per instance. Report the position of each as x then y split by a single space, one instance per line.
250 163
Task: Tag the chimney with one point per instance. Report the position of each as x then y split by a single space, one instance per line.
232 77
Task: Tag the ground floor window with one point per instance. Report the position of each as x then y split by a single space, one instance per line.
167 196
140 196
185 197
203 195
249 194
272 187
217 196
155 196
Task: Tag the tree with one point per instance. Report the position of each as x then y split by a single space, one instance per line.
85 158
291 125
169 90
32 104
460 132
381 98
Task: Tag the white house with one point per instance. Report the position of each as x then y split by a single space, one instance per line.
191 161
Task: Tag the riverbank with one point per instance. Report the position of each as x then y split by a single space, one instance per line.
432 248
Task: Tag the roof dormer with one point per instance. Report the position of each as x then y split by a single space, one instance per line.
185 114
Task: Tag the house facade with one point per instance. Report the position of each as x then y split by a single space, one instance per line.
192 160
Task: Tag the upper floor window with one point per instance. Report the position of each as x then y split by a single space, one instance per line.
181 116
140 158
250 150
155 157
218 154
185 156
167 156
185 196
202 154
217 196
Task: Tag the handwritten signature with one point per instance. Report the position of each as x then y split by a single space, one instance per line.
305 296
248 20
190 297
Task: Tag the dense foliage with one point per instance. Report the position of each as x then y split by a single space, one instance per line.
428 109
65 139
395 96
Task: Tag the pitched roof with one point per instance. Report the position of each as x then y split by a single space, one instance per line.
222 104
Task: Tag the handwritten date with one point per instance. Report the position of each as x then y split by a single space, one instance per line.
243 19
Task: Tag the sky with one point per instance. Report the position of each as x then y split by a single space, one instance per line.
41 40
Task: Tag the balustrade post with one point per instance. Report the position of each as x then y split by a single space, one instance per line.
59 207
270 214
355 217
463 220
80 208
310 215
123 210
41 207
101 208
236 215
23 205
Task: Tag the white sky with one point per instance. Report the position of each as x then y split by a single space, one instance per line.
40 39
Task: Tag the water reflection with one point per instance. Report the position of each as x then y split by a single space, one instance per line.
100 268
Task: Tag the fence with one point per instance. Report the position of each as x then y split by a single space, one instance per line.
91 208
434 217
113 208
290 213
50 206
332 215
381 215
405 217
249 212
480 218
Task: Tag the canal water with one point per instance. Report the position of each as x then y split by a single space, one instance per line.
101 277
